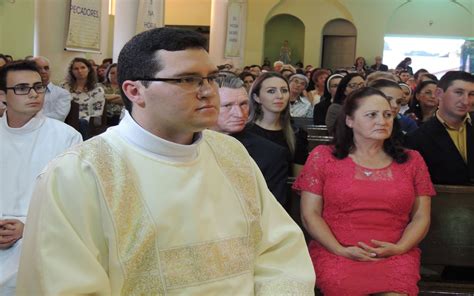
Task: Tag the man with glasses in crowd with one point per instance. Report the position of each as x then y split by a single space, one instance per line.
57 100
158 204
28 141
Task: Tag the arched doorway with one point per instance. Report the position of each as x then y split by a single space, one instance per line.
284 27
339 44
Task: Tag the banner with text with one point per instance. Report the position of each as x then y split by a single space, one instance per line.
150 15
234 29
84 26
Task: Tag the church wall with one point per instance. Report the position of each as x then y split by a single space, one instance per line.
16 27
372 18
188 12
284 27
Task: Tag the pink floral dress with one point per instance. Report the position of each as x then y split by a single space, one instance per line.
362 204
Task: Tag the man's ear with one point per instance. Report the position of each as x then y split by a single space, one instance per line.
134 92
439 92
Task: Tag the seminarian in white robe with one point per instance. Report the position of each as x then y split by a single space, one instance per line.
129 213
25 151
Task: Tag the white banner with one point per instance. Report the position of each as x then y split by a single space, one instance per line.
84 26
234 29
150 15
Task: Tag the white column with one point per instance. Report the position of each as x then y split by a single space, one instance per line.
125 24
218 33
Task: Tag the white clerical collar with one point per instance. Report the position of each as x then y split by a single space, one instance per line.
33 124
133 133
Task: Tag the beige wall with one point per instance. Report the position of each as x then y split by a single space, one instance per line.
188 12
16 28
373 20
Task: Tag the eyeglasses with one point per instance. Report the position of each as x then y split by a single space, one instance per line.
25 89
191 82
356 85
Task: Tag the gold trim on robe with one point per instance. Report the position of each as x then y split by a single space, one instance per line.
148 270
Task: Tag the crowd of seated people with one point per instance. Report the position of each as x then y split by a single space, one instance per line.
373 114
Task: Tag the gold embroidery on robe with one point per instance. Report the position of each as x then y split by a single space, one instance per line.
214 261
136 235
237 167
135 230
283 286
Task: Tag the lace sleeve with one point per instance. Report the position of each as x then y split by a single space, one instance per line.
312 176
421 176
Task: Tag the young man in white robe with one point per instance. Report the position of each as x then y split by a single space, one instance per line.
159 205
28 141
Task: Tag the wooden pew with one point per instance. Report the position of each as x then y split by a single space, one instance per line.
72 118
450 240
317 130
302 122
98 124
314 141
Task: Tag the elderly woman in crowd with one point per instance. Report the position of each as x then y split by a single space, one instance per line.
366 204
348 84
318 79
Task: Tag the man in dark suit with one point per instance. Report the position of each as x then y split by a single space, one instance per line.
378 66
446 141
271 158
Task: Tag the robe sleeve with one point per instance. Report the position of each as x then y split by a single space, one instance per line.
283 265
65 208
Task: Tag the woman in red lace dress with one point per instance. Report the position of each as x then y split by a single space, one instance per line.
366 203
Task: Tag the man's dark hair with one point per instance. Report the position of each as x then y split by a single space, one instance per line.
139 59
344 136
448 78
21 65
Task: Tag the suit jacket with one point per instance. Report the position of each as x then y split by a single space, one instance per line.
382 67
444 161
272 159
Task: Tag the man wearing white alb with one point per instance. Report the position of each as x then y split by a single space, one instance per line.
29 140
159 205
57 100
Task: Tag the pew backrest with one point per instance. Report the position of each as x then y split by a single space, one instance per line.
450 240
314 141
317 130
